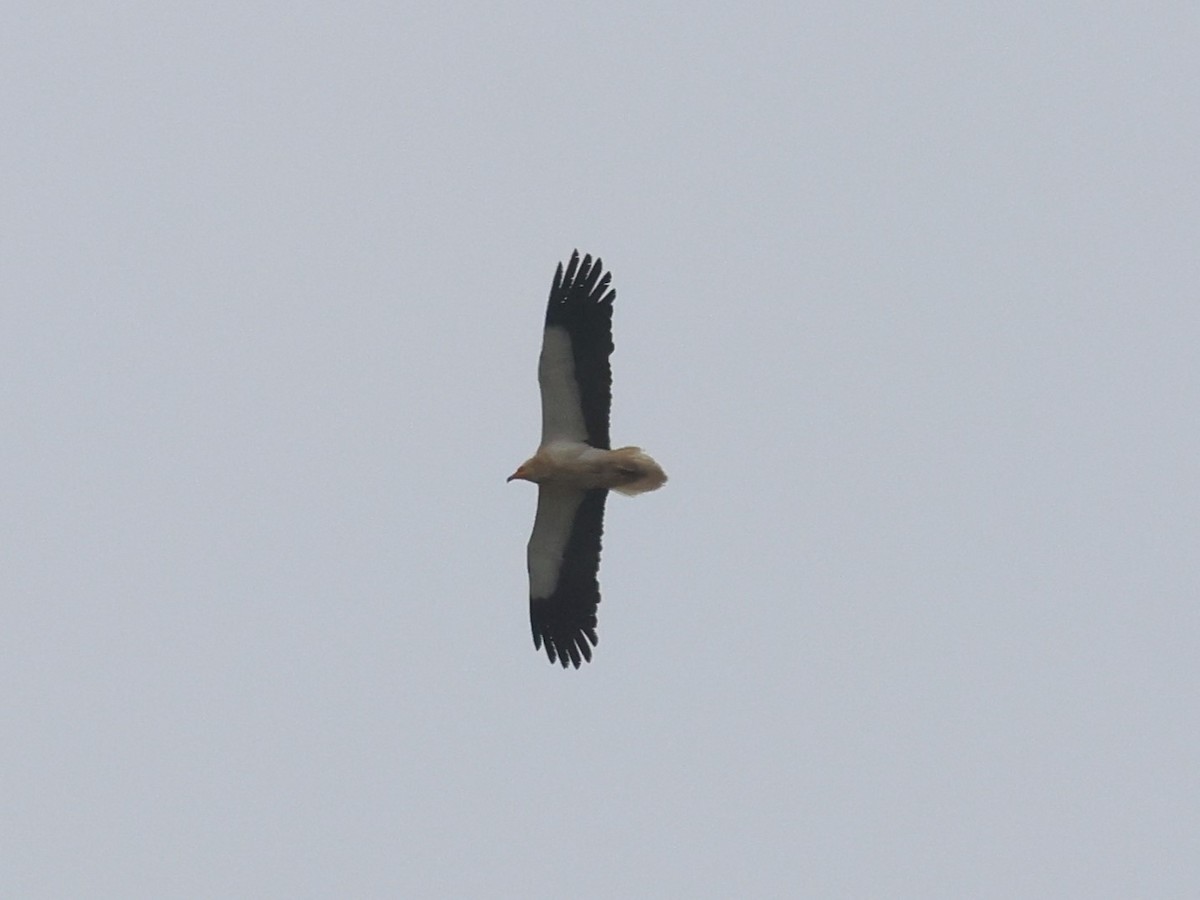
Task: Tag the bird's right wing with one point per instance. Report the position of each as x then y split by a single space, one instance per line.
564 557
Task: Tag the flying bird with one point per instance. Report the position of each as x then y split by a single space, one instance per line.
574 468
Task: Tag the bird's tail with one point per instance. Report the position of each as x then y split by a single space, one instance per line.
639 473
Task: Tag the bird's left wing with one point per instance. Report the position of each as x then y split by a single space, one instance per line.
564 557
574 372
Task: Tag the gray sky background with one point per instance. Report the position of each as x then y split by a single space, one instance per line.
907 308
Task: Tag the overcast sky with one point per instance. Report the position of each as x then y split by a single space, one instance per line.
907 307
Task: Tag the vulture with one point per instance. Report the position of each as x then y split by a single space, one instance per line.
574 467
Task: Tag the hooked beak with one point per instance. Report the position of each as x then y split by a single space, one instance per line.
520 473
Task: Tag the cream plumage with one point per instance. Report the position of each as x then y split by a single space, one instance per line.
574 467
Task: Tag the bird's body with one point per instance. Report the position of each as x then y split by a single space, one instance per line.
574 467
580 465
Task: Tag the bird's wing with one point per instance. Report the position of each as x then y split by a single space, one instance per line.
573 371
564 557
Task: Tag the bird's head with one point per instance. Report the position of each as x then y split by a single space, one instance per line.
526 471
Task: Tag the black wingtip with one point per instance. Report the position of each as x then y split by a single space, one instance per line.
567 649
566 634
581 292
